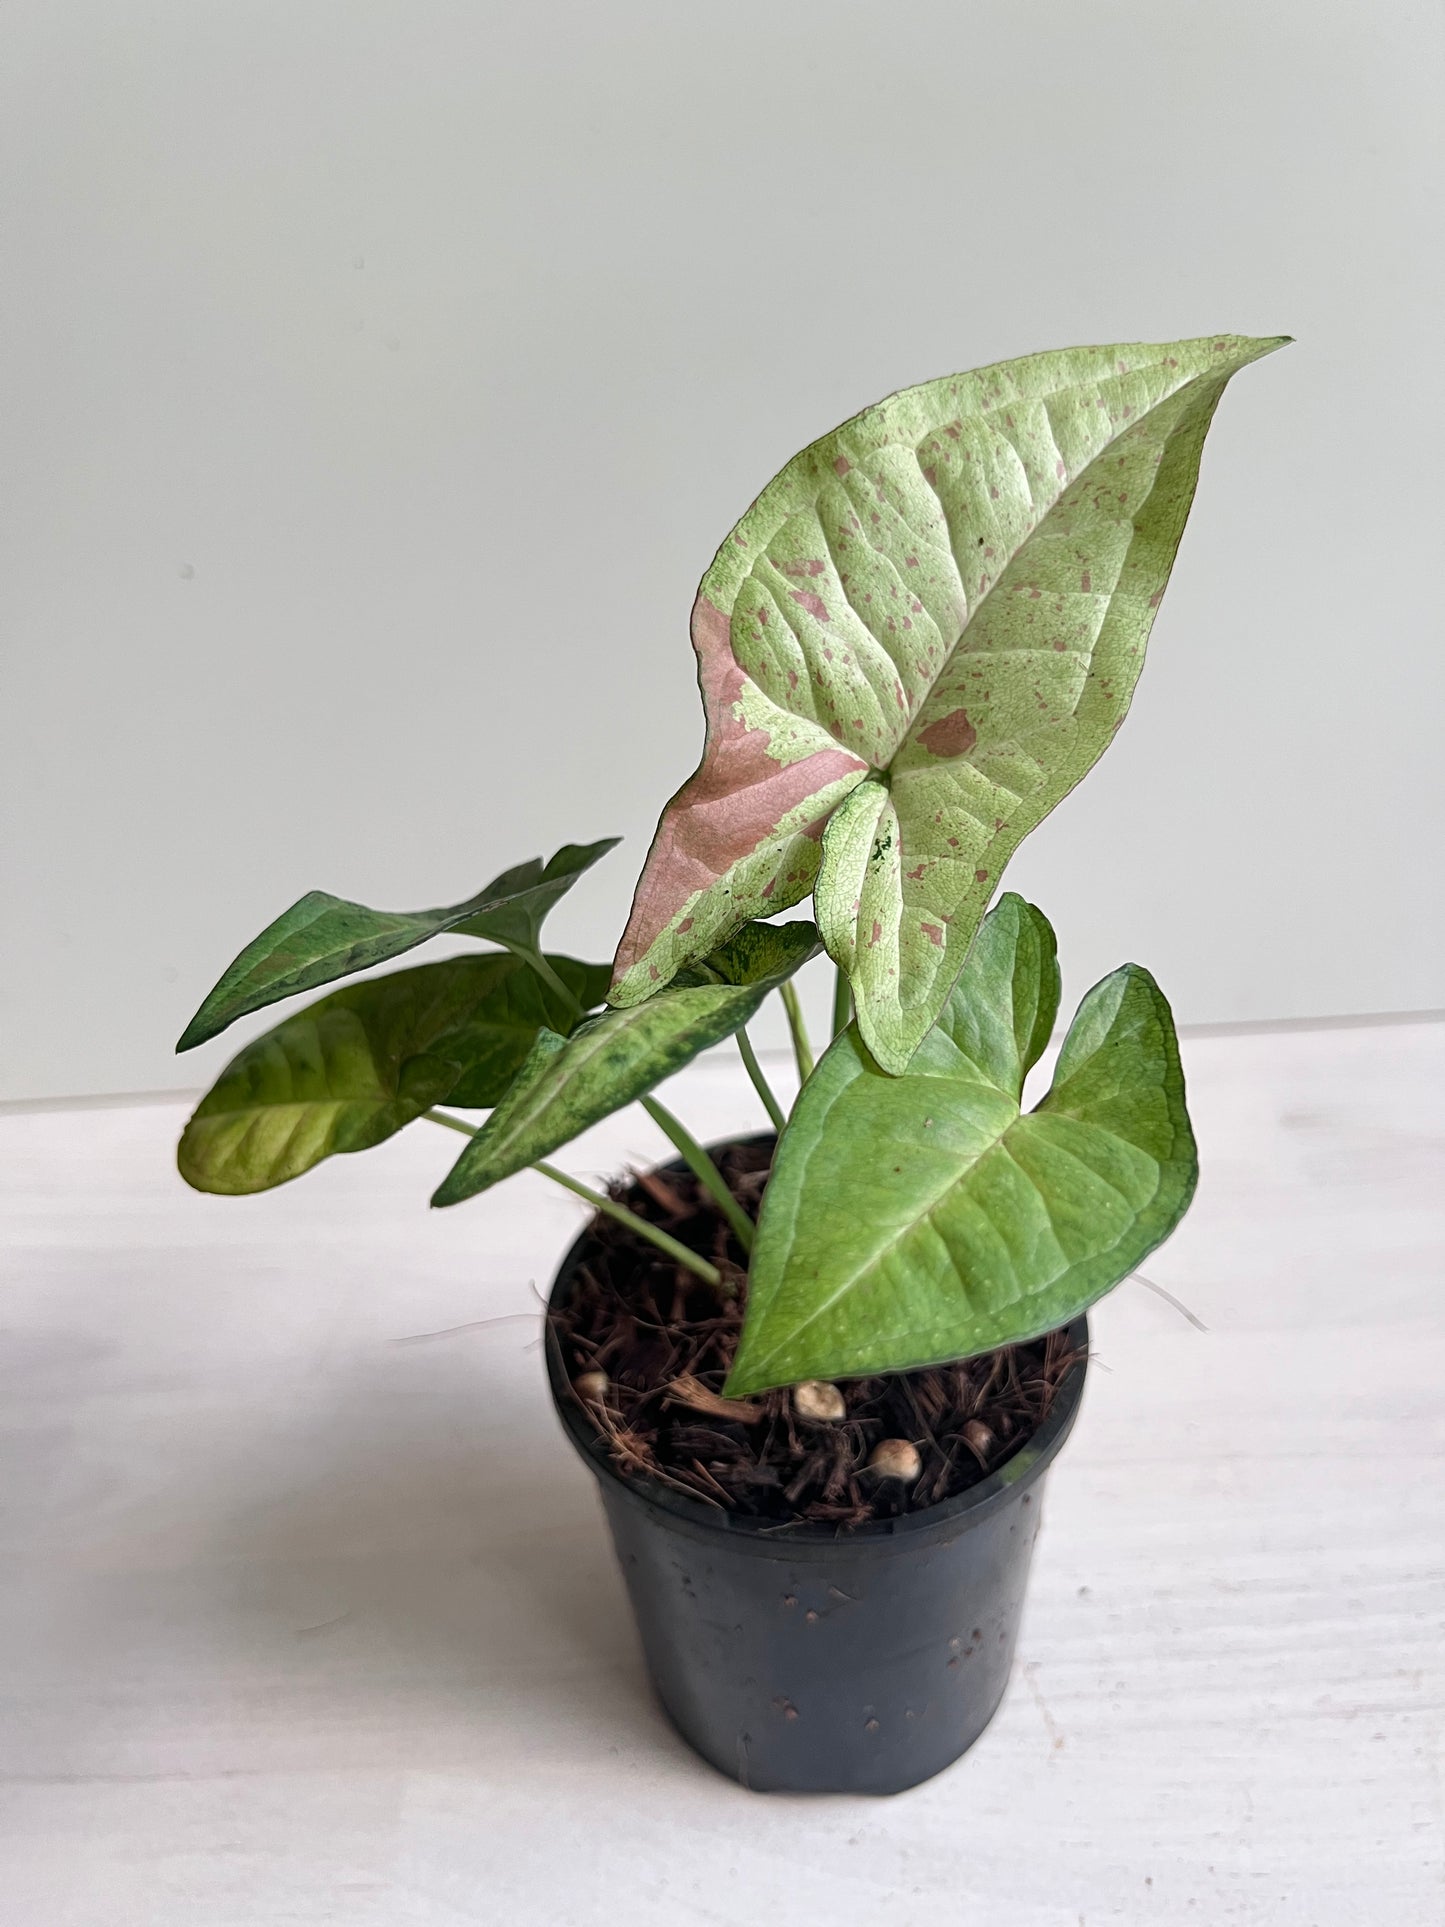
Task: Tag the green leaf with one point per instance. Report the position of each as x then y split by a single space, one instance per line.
923 633
512 907
916 1219
569 1084
321 937
496 1040
759 953
350 1070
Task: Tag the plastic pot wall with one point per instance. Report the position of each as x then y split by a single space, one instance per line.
814 1660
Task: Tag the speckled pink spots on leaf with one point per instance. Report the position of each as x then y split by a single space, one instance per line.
951 735
735 801
1045 473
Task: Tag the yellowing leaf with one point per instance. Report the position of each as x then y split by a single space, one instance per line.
353 1068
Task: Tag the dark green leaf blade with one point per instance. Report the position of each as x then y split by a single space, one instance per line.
569 1084
758 953
916 1219
353 1068
322 937
494 1043
519 899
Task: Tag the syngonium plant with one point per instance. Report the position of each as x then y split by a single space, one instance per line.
922 634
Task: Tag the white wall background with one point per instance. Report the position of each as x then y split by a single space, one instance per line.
379 376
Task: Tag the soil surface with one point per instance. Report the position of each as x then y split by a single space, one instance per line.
664 1341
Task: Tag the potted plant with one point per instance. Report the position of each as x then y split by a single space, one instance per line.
820 1374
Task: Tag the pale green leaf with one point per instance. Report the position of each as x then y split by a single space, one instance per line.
938 613
569 1084
915 1219
348 1071
321 937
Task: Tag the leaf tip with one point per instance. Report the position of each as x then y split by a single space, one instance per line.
1256 347
446 1193
739 1384
891 1058
197 1031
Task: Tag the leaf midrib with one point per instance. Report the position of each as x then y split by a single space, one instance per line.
926 1216
881 1252
975 608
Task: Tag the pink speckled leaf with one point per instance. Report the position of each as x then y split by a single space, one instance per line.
938 613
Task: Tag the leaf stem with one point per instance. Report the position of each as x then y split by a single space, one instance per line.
709 1274
549 977
599 1201
842 1001
760 1083
802 1049
703 1169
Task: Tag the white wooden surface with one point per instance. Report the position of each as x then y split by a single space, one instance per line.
308 1614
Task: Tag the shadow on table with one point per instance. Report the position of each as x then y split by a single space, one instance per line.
441 1564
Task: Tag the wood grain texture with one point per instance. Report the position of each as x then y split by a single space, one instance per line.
308 1614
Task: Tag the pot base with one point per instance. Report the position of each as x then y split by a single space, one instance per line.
831 1672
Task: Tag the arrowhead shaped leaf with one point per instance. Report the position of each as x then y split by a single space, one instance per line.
348 1071
938 613
915 1219
569 1084
321 937
513 906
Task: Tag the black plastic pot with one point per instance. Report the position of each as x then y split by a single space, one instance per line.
811 1660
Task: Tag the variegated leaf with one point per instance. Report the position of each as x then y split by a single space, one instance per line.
569 1084
923 633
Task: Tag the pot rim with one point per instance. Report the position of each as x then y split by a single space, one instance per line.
1020 1470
